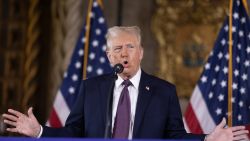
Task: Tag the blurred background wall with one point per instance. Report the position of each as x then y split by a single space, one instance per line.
37 38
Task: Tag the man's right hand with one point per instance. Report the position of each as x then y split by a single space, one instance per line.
21 123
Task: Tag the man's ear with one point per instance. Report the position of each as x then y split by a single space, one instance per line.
142 51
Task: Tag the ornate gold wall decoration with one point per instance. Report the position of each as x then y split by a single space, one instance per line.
13 23
186 31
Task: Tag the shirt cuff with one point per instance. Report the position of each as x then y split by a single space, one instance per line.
40 133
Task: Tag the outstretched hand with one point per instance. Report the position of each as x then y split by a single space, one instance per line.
228 134
21 123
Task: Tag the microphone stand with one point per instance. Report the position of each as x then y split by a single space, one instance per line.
109 108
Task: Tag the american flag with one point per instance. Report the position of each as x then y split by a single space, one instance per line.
97 64
209 101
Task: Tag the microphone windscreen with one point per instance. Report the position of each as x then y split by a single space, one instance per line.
118 68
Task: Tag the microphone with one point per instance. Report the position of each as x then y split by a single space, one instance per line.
118 68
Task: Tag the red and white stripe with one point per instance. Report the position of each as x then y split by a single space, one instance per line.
59 113
197 117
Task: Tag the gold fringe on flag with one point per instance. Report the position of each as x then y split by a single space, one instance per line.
245 4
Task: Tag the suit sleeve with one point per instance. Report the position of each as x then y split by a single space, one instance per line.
74 126
175 127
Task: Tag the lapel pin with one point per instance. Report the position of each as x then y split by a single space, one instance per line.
147 87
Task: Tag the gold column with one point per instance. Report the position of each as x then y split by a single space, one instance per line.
31 53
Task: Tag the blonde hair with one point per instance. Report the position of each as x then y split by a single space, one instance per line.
116 30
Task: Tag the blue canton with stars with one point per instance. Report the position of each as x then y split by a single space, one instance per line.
98 63
214 79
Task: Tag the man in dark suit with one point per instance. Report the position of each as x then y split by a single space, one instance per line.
143 106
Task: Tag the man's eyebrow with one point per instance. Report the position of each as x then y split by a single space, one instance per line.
129 44
117 46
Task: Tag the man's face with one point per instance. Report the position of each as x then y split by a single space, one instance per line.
125 49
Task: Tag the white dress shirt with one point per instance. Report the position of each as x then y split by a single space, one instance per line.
133 94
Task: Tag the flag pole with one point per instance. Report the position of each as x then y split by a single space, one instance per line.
86 47
230 79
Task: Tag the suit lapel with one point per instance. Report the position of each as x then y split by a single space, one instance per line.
104 92
145 93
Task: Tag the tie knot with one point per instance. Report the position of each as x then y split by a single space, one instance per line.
126 83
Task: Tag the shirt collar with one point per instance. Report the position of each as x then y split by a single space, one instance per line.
135 80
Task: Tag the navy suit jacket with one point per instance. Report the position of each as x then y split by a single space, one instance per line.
158 113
